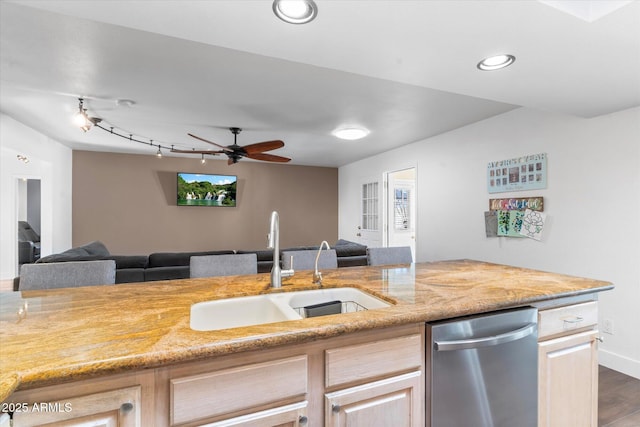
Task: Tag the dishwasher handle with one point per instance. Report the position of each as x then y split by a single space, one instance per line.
485 341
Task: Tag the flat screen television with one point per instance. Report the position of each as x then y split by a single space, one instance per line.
199 189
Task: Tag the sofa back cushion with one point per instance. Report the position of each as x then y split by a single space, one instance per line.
91 250
165 259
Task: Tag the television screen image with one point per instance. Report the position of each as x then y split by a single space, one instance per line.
197 189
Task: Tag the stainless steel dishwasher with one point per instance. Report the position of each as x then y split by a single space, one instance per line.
483 370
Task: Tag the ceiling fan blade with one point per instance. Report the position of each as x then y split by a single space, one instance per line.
209 142
268 157
260 147
212 152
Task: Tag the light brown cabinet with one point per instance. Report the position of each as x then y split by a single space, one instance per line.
294 415
359 378
246 389
568 366
363 387
121 400
365 374
395 401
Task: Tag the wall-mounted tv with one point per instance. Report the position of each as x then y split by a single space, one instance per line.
198 189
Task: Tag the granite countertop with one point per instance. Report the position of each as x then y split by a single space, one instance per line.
58 335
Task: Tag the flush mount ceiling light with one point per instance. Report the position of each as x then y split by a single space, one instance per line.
351 133
295 11
496 62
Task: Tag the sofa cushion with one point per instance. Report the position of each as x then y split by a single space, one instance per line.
352 261
86 252
129 261
345 248
164 259
166 273
262 254
130 275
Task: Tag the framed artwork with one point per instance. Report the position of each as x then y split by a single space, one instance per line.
517 174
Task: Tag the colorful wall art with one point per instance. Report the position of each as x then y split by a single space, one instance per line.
517 174
513 218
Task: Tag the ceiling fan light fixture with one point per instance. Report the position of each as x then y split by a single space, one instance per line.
496 62
295 11
351 133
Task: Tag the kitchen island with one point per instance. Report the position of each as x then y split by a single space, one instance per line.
67 335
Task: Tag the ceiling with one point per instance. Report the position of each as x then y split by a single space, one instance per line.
406 70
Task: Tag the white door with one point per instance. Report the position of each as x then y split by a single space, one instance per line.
400 220
369 230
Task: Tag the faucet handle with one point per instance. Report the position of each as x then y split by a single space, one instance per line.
290 272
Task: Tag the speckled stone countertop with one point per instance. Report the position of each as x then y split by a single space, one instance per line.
65 334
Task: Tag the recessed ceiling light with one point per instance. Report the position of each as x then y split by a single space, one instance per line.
295 11
351 133
496 62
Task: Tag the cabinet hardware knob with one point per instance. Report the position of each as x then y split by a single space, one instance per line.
302 419
126 407
335 408
358 234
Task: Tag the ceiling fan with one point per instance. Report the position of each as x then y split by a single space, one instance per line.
235 152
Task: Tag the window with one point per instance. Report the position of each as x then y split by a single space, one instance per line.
401 208
370 206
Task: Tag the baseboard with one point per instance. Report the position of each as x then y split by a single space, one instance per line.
6 285
619 363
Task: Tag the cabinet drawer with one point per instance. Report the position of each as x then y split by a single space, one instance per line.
363 361
213 394
562 320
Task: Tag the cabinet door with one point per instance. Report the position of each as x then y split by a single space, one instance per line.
284 416
116 408
395 401
568 381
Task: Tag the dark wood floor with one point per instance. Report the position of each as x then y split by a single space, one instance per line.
618 399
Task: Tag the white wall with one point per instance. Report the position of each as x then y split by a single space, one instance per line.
50 162
592 202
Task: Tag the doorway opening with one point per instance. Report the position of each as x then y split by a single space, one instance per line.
28 206
400 213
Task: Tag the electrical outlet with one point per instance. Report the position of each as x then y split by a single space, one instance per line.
607 327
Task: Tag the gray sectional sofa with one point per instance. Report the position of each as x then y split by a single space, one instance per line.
175 265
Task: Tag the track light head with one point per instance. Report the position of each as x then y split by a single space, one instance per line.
82 120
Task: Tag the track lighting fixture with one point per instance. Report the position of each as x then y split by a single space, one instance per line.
85 122
82 120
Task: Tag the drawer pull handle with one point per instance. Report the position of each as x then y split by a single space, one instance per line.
576 319
335 408
126 407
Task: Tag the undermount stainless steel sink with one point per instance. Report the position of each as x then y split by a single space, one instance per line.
261 309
